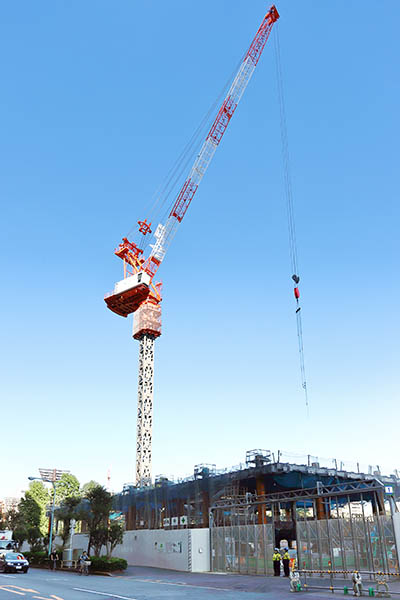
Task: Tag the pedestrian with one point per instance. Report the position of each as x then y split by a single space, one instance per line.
276 559
84 562
53 560
286 562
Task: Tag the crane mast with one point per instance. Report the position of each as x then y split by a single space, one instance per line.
137 293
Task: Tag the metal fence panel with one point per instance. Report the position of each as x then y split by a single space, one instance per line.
347 544
242 549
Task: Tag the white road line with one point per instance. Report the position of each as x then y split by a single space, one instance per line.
104 594
10 576
200 587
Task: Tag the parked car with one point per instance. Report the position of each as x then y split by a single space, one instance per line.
13 561
7 545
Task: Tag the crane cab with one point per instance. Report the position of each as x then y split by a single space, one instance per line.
129 294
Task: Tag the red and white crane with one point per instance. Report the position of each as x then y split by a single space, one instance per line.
138 293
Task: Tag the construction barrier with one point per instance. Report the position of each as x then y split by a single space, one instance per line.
380 579
334 572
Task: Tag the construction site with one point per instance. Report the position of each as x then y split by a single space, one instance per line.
329 517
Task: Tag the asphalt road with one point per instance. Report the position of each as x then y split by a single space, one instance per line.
140 583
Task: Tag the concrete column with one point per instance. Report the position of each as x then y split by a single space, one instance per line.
131 518
260 489
320 508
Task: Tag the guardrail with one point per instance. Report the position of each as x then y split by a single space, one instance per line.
71 564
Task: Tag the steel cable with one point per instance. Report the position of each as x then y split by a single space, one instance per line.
289 208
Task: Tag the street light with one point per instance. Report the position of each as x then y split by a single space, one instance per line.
52 476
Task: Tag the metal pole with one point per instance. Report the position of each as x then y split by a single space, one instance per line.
357 562
52 518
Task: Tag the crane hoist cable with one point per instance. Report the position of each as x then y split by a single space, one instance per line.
290 210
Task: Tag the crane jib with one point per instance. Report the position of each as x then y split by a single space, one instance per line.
222 119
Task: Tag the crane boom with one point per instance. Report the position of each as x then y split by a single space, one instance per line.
128 295
165 233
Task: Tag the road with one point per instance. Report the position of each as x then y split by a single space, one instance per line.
144 583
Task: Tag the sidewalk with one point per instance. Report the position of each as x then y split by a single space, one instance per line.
274 587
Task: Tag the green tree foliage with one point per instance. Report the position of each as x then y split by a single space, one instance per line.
99 538
115 536
29 511
65 513
12 519
67 487
32 508
20 534
34 538
87 487
96 512
107 564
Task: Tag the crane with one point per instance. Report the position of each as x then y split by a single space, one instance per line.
137 292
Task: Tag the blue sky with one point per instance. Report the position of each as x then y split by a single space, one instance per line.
98 99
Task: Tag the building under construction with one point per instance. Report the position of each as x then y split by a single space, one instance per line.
329 517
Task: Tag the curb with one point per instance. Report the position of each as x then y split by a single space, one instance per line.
104 573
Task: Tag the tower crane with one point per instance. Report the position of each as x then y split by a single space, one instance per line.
137 292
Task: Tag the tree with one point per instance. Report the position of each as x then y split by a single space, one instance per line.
99 539
20 534
12 519
65 513
96 512
87 487
67 487
115 536
32 508
34 538
29 511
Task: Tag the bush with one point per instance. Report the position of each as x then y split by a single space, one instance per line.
36 558
102 563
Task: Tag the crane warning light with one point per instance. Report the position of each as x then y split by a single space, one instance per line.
296 293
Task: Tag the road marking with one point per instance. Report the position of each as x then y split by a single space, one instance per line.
104 594
47 597
11 591
200 587
10 576
21 588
